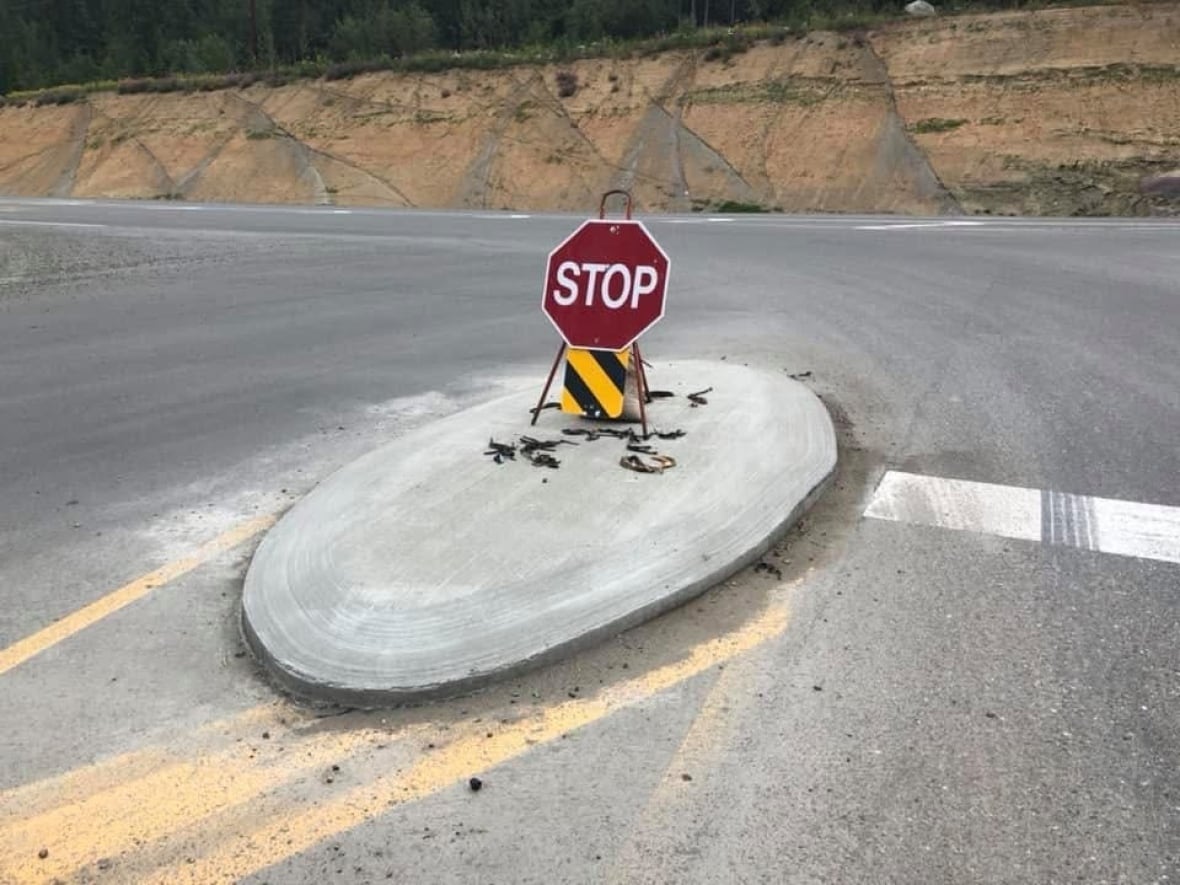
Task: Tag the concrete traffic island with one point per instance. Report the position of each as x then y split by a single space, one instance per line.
425 568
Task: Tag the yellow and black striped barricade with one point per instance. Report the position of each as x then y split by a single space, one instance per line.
595 382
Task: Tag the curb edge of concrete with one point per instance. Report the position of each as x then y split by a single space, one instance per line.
316 692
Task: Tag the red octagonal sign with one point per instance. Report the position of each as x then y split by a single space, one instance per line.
605 285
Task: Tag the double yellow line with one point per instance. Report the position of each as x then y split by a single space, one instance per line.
230 804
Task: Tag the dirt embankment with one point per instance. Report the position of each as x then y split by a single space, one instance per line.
1058 112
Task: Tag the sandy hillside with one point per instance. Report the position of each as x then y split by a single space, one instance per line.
1068 111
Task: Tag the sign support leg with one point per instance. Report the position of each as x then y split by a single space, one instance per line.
548 383
641 386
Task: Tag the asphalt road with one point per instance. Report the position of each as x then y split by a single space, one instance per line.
907 703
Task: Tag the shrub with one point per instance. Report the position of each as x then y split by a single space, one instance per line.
132 87
936 124
733 207
65 95
203 83
234 81
429 63
567 84
725 48
344 70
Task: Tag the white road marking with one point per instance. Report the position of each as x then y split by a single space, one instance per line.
958 504
17 222
1106 525
1024 224
228 207
179 207
917 225
871 223
689 220
45 201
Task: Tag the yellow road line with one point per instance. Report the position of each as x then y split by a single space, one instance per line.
31 646
177 798
249 850
227 811
80 785
665 810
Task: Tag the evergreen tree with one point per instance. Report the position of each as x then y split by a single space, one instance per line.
47 42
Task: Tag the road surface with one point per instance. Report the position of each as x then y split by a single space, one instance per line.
964 667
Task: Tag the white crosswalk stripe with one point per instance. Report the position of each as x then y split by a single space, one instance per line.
1107 525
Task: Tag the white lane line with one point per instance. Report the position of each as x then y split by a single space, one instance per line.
1023 224
917 225
17 222
46 201
920 225
1107 525
688 220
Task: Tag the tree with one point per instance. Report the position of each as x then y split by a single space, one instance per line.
46 42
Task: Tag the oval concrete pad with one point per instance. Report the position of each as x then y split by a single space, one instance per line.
426 568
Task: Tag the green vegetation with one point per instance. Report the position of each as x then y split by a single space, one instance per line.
423 116
732 44
936 124
1117 72
523 112
735 207
797 90
200 45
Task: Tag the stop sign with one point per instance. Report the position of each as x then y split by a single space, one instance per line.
605 285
